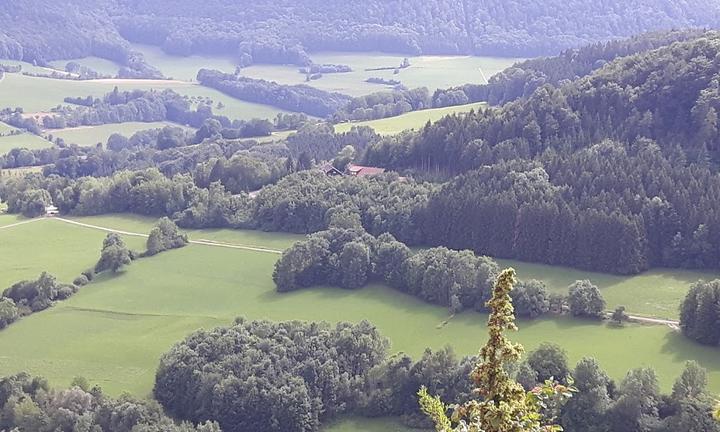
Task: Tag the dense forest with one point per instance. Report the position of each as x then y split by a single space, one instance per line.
285 31
295 376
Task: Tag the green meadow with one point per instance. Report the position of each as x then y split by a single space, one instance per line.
411 120
656 293
425 71
433 72
42 94
104 66
184 68
115 329
91 135
23 140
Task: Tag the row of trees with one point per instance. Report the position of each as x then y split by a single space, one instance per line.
299 98
348 257
28 403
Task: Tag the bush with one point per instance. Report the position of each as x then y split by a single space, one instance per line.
81 280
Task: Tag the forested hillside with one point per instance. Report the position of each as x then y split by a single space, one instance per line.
286 31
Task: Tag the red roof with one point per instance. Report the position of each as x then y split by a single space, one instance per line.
361 171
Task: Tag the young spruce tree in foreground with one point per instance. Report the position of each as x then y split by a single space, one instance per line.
503 404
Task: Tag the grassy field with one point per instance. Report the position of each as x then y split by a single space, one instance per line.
184 68
42 94
25 140
425 71
432 72
411 120
104 66
657 293
47 245
137 315
91 135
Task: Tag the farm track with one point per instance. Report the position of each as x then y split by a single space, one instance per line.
19 223
203 242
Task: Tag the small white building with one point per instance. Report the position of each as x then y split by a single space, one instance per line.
51 210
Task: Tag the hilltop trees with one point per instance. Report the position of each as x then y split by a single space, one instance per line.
114 254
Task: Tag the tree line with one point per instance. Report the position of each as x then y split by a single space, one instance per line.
268 32
348 257
28 403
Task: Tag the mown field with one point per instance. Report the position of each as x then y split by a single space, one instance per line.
656 293
184 68
23 140
411 120
432 72
114 330
104 66
42 94
91 135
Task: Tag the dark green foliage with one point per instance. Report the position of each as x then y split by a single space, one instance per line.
37 295
586 411
300 202
281 32
530 299
549 361
8 312
384 104
636 408
522 79
164 236
585 300
114 254
350 257
300 98
29 404
267 376
700 313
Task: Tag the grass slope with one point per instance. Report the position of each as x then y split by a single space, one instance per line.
42 94
114 330
411 120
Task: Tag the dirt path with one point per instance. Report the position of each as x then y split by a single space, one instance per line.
203 242
19 223
675 325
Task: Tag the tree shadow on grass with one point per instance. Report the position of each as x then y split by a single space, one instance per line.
682 349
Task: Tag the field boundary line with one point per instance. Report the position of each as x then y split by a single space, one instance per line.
139 314
19 223
202 242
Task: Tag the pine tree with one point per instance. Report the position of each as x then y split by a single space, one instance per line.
503 404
